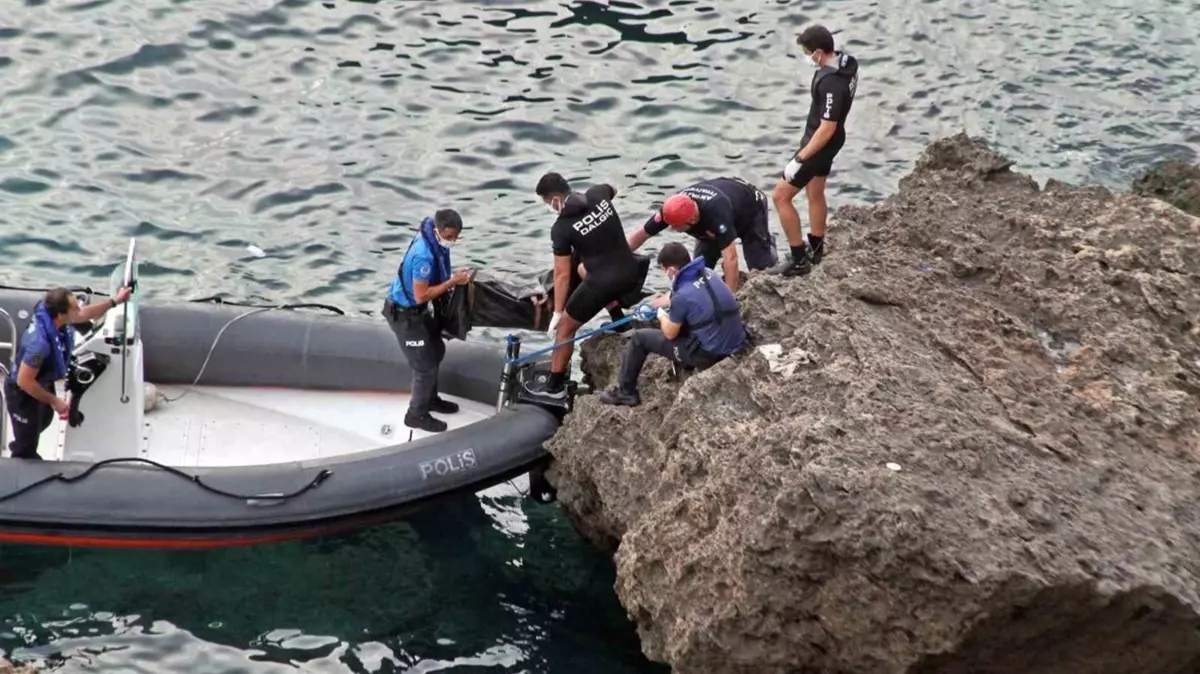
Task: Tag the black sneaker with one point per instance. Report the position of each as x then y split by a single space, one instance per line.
550 394
424 422
614 395
540 390
794 267
443 406
624 327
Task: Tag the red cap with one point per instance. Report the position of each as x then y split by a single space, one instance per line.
679 209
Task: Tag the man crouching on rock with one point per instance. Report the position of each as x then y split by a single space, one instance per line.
701 326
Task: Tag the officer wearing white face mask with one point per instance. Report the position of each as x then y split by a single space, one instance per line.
424 275
833 88
587 226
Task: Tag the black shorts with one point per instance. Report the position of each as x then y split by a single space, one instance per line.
758 243
818 166
591 296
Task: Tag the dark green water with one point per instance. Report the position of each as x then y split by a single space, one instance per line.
479 584
319 132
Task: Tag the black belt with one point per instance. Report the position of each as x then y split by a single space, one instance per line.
395 311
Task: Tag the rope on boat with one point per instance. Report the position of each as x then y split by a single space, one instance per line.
194 479
554 347
212 349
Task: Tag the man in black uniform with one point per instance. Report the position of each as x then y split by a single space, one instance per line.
717 212
587 226
833 88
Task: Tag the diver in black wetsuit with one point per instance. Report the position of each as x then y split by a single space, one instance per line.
833 87
587 226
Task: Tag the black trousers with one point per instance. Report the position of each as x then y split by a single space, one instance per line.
423 347
684 350
30 417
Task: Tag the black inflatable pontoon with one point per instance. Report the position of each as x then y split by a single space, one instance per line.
294 429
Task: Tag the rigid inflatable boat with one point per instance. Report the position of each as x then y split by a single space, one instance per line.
200 425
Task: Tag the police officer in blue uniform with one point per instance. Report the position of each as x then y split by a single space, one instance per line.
43 356
701 326
424 275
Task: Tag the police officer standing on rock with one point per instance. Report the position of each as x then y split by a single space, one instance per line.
833 87
424 276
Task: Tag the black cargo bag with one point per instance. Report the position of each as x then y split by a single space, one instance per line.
490 302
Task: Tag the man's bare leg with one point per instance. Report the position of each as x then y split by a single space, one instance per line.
560 360
789 217
799 262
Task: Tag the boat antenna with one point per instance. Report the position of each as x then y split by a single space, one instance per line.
128 282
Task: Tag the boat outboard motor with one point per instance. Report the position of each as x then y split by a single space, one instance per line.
522 376
83 373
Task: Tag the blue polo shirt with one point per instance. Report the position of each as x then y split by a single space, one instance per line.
692 307
426 260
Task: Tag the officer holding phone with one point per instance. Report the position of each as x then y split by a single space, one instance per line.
424 276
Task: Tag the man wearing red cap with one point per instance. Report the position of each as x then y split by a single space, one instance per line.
717 212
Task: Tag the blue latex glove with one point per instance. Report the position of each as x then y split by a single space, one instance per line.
644 312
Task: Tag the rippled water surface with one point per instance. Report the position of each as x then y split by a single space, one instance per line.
319 132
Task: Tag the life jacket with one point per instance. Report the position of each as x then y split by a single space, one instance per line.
61 342
689 273
441 256
845 67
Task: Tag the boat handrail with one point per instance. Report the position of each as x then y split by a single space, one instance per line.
3 408
11 345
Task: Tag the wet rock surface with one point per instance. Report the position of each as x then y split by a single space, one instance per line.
1029 360
1175 182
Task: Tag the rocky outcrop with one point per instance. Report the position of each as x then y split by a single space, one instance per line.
7 667
1174 182
968 443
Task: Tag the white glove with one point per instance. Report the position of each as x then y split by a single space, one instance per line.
662 313
554 321
793 167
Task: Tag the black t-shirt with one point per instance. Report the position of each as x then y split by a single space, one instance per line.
589 227
728 208
833 90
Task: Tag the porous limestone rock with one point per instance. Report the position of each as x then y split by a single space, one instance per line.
967 443
1175 182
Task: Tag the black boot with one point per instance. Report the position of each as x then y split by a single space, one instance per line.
615 395
797 264
443 406
424 422
817 245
